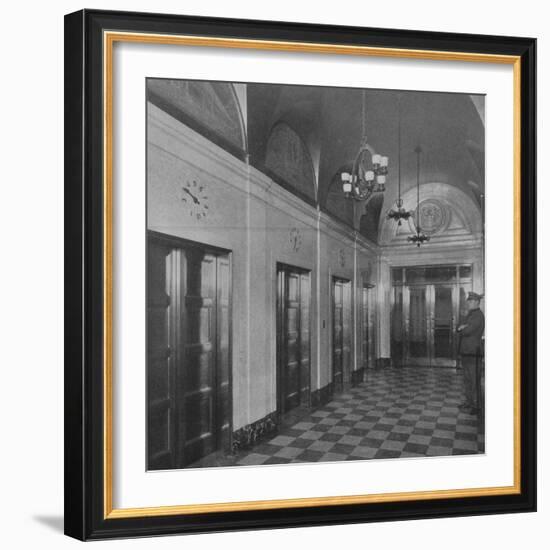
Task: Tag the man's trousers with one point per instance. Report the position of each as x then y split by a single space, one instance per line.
471 365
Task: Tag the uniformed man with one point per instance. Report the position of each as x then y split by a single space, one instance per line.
471 332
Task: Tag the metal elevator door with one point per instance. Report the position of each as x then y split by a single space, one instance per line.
293 338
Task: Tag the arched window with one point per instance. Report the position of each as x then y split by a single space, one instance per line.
288 159
337 204
210 108
368 225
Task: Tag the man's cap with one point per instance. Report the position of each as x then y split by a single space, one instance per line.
474 296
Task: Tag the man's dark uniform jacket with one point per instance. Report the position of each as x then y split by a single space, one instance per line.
470 335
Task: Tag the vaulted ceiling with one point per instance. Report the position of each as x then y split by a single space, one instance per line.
448 127
324 129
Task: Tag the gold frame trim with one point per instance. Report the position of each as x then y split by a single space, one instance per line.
109 39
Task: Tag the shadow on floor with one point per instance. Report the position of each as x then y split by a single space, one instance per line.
55 523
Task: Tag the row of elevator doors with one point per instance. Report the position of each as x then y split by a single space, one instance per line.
293 335
189 401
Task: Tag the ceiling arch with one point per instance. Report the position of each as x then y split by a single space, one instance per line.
447 213
287 157
368 223
329 121
211 108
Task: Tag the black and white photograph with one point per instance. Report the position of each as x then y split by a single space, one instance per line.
315 278
270 275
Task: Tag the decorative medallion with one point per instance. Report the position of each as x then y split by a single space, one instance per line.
434 216
342 257
195 199
295 239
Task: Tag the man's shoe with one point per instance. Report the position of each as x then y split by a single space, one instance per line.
469 410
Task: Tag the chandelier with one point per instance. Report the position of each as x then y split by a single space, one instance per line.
419 237
368 174
399 213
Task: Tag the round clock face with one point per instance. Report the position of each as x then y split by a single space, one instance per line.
195 198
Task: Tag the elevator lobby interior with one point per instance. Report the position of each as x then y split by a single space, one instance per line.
287 322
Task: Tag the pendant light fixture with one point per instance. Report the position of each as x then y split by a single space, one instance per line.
399 213
368 174
419 237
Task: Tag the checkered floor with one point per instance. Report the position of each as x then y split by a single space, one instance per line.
402 412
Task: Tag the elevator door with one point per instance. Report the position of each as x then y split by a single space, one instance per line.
189 386
161 356
430 315
367 339
341 332
293 338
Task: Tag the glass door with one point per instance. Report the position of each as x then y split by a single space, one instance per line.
427 304
430 313
398 334
444 307
417 341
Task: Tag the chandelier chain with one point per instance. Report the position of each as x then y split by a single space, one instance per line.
418 190
399 148
419 237
399 213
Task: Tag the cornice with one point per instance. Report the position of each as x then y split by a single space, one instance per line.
264 189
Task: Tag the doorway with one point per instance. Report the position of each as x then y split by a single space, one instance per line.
293 338
341 333
431 324
188 351
428 303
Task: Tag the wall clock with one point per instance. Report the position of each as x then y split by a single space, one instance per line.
195 198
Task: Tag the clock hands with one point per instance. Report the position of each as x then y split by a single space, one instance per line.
195 200
197 208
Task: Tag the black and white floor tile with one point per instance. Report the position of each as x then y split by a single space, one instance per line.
395 413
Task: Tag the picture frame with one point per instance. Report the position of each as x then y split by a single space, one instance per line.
90 203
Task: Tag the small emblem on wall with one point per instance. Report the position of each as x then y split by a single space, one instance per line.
195 198
366 273
295 239
342 257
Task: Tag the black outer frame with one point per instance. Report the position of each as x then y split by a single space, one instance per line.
84 275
